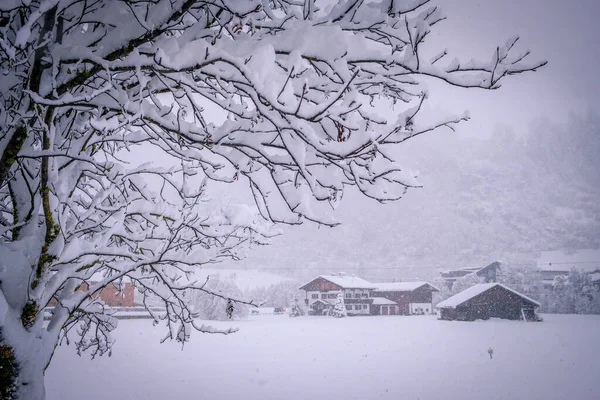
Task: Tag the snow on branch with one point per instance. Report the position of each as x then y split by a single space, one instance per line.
118 119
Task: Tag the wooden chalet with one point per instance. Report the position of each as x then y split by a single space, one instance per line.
409 298
322 292
488 300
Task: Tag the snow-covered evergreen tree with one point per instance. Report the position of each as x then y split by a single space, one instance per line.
339 308
116 116
297 308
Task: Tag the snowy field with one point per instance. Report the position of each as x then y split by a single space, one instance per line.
277 357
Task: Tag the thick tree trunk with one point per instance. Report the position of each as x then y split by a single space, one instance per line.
31 354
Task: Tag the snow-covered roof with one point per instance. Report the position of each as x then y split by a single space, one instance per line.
587 260
401 286
380 301
347 281
476 290
595 276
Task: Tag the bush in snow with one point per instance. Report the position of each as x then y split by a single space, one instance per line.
117 116
339 308
205 305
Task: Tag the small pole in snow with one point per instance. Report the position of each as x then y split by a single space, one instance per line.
491 352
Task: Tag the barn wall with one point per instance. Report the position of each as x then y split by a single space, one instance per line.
403 299
420 296
423 294
448 314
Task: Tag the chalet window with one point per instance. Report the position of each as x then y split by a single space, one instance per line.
365 295
357 296
315 296
324 295
348 308
348 295
332 296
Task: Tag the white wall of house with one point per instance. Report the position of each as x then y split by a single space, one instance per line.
330 295
414 308
353 311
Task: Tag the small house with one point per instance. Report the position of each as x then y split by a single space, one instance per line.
488 300
408 297
322 292
489 273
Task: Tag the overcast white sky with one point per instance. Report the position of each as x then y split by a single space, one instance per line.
564 33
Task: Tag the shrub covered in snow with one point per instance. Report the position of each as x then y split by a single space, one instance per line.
205 305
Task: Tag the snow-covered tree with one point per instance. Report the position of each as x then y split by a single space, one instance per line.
279 294
573 294
466 282
297 308
339 308
205 305
115 117
442 294
524 278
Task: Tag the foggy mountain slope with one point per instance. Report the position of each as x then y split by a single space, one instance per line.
508 197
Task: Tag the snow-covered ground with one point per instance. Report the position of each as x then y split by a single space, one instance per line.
277 357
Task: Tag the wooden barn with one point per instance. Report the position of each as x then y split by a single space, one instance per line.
488 300
409 297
